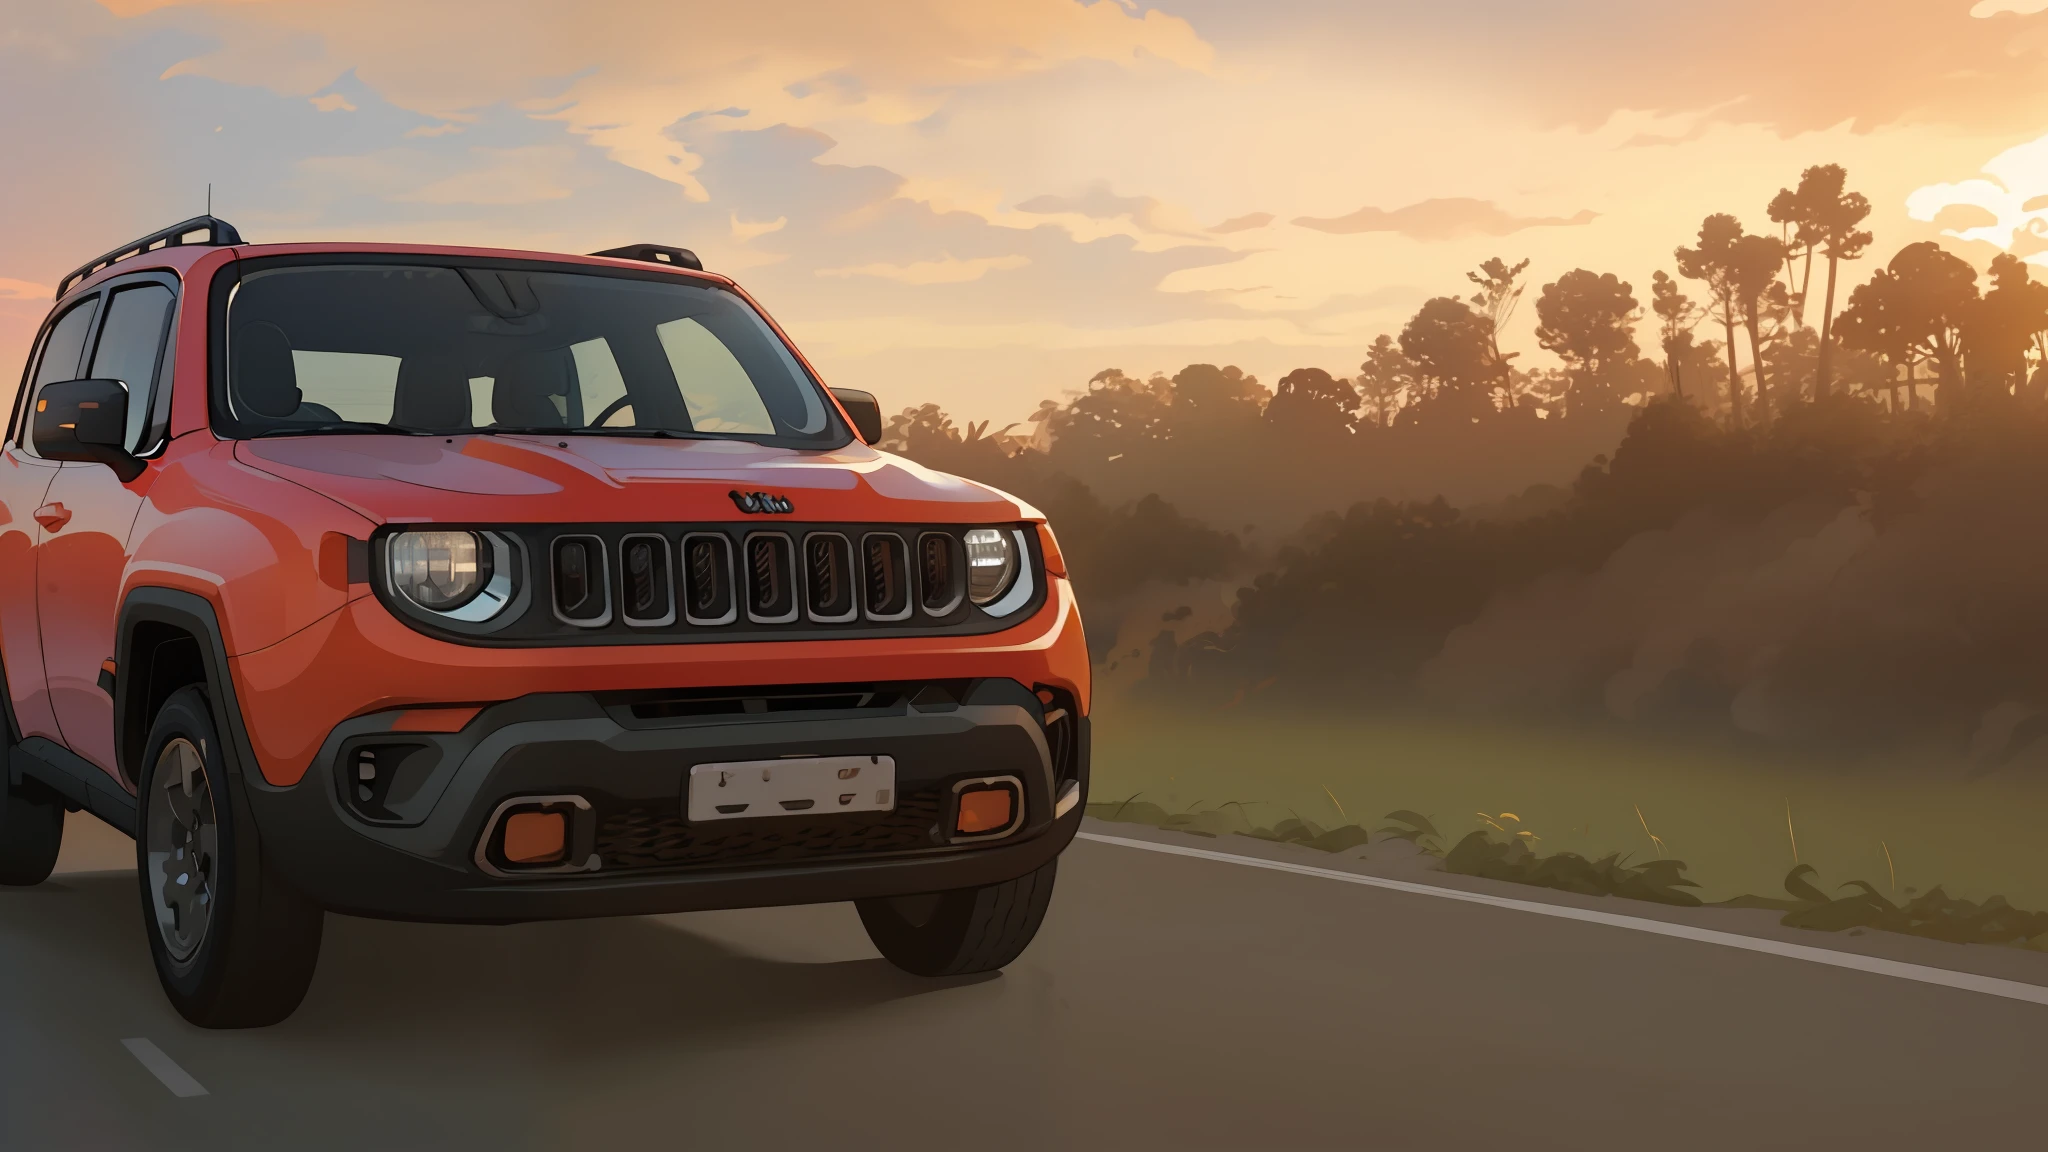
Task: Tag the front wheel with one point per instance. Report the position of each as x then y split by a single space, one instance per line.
234 947
962 932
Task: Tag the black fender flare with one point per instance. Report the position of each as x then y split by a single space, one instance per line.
194 615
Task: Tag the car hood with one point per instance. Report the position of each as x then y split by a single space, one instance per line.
588 479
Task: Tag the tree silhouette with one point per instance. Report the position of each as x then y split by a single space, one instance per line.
1309 402
2009 321
1206 397
1499 292
1384 382
1677 316
1588 320
1825 217
1754 263
1915 308
1115 416
1713 260
1452 348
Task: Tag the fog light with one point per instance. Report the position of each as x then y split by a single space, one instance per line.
986 807
536 837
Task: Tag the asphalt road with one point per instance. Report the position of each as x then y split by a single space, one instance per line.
1168 1003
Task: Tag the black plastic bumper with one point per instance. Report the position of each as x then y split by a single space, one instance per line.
414 853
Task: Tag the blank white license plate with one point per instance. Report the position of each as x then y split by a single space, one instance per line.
749 789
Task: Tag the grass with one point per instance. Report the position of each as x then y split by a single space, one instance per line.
1729 816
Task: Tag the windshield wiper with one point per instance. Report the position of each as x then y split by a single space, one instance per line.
334 427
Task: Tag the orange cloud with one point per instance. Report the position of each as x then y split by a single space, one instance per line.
1441 219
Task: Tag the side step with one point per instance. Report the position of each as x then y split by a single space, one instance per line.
79 781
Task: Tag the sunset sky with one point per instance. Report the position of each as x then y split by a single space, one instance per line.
984 203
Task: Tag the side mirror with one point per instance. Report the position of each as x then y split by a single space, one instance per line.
86 420
864 410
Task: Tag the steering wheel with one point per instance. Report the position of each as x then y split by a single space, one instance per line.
611 410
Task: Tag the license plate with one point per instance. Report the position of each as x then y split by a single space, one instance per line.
807 786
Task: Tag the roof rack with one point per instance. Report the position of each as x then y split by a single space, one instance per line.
655 254
219 233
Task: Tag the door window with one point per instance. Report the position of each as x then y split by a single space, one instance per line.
63 348
131 342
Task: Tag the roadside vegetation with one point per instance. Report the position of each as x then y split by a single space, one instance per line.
1503 851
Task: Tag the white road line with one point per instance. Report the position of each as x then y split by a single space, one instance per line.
179 1081
1966 981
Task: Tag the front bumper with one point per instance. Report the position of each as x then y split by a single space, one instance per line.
415 855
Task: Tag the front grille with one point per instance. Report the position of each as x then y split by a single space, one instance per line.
828 578
886 583
771 579
938 568
647 596
582 592
763 700
650 836
707 579
697 583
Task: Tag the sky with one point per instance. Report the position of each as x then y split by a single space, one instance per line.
985 203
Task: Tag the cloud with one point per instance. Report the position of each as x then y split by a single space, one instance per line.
745 230
1796 67
622 82
332 102
504 176
1243 223
1098 202
1441 219
2008 210
945 270
23 290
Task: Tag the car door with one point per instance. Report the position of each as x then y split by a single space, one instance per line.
25 480
91 512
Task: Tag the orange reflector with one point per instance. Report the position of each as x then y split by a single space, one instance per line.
535 837
983 810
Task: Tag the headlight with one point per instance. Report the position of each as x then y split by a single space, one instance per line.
439 571
991 564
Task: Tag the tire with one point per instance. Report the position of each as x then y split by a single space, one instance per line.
31 832
962 932
233 946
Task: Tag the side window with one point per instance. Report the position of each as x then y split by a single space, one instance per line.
131 341
63 348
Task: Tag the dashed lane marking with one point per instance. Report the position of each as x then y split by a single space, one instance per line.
1897 969
179 1081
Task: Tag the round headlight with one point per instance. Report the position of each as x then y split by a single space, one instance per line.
438 571
991 564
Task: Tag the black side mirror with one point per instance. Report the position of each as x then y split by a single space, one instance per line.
864 410
86 420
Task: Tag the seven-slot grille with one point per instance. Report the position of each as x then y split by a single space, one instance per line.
706 583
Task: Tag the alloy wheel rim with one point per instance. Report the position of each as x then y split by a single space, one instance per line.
183 848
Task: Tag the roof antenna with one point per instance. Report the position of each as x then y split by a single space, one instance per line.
209 198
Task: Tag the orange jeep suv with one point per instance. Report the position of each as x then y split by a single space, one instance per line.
474 585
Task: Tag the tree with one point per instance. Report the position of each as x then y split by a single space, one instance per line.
1588 319
1206 397
1452 348
1915 308
1309 402
2006 324
1826 218
1713 261
1677 316
1754 266
1499 292
1118 414
1385 380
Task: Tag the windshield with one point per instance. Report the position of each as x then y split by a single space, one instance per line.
413 348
